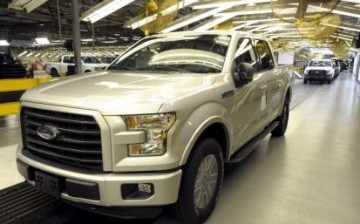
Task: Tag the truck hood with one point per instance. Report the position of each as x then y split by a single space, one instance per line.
118 93
319 68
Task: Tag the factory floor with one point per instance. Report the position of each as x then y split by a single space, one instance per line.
312 175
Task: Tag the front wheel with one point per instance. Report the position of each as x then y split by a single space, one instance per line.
54 72
201 183
284 119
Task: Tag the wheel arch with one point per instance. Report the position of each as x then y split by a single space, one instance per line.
54 68
213 128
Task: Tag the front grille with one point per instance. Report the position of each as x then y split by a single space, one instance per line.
317 72
78 143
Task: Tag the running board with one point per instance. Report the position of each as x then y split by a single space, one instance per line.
249 146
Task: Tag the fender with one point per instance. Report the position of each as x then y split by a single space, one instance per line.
288 89
196 124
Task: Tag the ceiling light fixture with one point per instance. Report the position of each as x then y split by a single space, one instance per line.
103 9
31 6
211 23
4 43
209 5
23 53
42 41
28 5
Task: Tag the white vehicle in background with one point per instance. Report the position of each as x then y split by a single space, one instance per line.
320 70
89 64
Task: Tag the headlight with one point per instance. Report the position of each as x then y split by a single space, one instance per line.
306 72
329 72
156 127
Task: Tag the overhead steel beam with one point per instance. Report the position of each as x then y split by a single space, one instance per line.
77 37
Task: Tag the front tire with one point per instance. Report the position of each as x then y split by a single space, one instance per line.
305 81
54 72
202 179
284 120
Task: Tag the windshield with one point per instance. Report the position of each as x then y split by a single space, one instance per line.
192 54
320 64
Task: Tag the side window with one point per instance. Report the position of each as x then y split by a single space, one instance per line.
66 59
266 61
246 53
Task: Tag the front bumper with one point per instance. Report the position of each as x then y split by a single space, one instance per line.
317 77
105 189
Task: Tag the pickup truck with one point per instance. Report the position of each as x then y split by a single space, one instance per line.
89 64
156 128
320 70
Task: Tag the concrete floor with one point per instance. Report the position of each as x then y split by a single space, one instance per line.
309 176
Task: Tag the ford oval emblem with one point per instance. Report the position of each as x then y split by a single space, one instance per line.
48 132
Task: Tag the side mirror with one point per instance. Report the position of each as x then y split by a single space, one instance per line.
244 74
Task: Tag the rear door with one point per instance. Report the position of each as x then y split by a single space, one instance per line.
272 81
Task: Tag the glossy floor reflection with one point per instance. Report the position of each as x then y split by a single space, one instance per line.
311 175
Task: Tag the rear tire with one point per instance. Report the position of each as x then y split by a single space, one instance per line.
284 120
201 183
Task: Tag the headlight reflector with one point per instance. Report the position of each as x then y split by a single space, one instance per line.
156 126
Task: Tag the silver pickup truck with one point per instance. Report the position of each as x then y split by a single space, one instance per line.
156 128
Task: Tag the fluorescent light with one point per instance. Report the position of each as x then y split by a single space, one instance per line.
341 27
4 43
260 27
136 23
104 9
18 4
194 18
33 5
243 25
343 38
243 13
42 41
87 40
211 23
224 3
28 5
23 53
28 55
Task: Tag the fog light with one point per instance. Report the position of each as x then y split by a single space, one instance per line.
138 191
146 188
